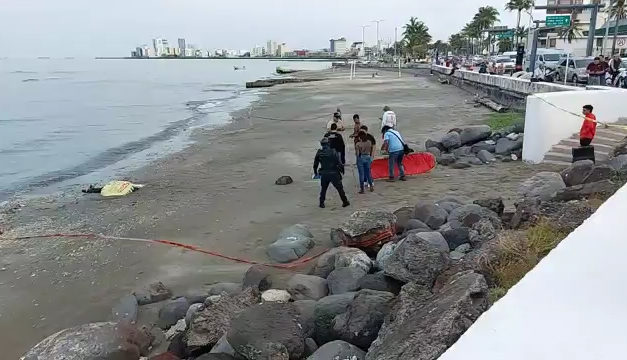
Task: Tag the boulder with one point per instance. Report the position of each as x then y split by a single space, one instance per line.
456 255
446 159
341 257
468 215
257 276
310 346
192 311
415 224
292 243
384 253
601 172
578 172
579 192
448 206
456 237
460 165
153 293
176 329
325 311
363 318
430 214
505 146
494 204
619 163
210 324
485 157
473 134
338 349
274 295
419 258
284 180
95 341
475 161
489 146
125 309
378 281
462 151
307 287
345 279
463 248
451 140
435 152
267 331
306 318
424 327
543 186
172 311
365 228
402 217
434 144
223 347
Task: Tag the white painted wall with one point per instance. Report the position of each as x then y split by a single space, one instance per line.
572 306
546 125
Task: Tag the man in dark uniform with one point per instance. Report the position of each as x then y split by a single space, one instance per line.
331 170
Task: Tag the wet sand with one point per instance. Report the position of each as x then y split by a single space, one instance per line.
220 194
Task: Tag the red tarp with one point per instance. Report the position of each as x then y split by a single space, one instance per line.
416 163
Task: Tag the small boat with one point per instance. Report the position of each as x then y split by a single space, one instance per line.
236 68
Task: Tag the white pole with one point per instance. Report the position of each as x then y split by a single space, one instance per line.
566 71
399 66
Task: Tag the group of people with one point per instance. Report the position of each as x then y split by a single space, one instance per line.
601 67
330 160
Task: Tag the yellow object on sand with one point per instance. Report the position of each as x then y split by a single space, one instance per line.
119 188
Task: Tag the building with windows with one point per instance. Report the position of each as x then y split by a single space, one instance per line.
282 50
271 48
338 46
182 47
160 46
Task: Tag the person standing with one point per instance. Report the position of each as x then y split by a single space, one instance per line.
614 68
395 146
595 71
337 119
336 141
330 172
388 118
589 126
365 153
356 126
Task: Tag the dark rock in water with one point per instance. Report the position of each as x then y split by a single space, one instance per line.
291 244
341 257
460 165
172 311
543 185
456 237
364 226
307 287
434 144
306 318
380 282
230 289
95 341
578 192
284 180
415 224
462 151
578 172
495 204
600 172
402 217
310 346
267 331
473 134
435 151
430 214
489 146
155 292
210 324
361 322
485 156
125 309
506 146
343 280
419 258
446 159
326 310
257 276
451 140
338 349
424 330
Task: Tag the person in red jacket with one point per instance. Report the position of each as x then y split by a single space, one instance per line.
589 127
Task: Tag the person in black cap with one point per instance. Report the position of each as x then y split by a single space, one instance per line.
330 172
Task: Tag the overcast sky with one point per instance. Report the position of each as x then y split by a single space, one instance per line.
113 27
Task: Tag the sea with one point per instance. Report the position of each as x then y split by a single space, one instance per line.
70 122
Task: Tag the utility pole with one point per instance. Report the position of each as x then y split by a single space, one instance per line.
378 44
607 27
534 50
395 41
363 37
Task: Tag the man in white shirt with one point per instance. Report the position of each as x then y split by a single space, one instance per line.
388 118
337 119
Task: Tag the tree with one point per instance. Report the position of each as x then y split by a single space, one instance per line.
618 11
471 31
505 44
457 43
416 37
571 32
485 19
519 5
521 32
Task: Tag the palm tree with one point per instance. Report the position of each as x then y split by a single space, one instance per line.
505 44
457 42
521 32
485 19
571 32
618 10
472 32
416 37
519 5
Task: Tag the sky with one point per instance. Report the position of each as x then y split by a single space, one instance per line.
86 28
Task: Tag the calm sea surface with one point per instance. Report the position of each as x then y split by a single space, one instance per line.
74 121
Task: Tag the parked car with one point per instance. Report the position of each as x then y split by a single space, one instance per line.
550 58
576 70
508 63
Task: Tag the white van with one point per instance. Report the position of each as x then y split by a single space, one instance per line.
550 58
511 54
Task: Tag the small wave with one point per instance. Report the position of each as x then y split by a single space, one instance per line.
53 78
63 72
23 72
29 80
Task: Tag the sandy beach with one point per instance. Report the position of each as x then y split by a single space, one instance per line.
220 194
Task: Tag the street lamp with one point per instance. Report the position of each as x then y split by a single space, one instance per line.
363 37
378 44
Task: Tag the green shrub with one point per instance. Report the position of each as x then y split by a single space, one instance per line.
498 121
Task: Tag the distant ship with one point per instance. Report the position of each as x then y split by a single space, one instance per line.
236 68
43 57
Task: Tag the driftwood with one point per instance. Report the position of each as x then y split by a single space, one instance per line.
491 104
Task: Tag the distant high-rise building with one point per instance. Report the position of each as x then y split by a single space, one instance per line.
160 46
256 51
182 47
282 49
271 48
338 46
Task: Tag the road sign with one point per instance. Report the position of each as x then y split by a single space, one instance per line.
558 21
503 35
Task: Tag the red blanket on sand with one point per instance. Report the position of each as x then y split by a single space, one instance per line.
415 164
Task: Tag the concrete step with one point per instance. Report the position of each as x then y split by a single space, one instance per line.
568 149
610 134
557 162
568 157
600 142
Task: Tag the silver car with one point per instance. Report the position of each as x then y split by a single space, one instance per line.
577 70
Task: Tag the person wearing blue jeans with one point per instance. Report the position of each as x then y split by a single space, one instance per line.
395 146
364 150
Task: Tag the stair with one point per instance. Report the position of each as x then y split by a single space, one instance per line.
604 142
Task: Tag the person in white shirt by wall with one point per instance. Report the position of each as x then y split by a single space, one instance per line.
389 118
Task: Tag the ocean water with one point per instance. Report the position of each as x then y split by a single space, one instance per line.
65 122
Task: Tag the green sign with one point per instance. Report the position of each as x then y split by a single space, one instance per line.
558 21
503 35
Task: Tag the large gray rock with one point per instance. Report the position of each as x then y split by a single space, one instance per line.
579 192
384 254
600 173
435 152
153 293
325 312
125 309
192 311
257 276
96 341
310 346
345 279
210 324
291 244
267 331
338 350
542 186
488 146
578 172
222 347
378 281
341 257
451 140
494 204
230 289
456 237
434 144
462 151
306 316
485 156
446 159
415 224
403 215
420 258
431 214
468 215
307 287
172 311
425 326
473 134
505 146
361 322
619 163
363 228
